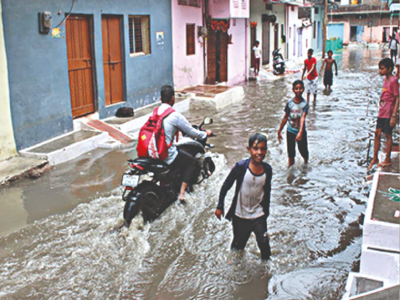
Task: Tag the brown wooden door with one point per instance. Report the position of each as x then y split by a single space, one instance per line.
80 64
211 57
223 56
265 39
253 35
276 36
112 59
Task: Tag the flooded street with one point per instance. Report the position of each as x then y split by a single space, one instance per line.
60 236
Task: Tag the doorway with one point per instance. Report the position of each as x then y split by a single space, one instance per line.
217 56
112 59
253 36
300 39
265 39
276 36
79 37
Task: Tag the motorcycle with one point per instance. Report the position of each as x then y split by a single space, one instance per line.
161 185
279 62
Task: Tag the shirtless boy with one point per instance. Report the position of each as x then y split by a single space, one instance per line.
328 75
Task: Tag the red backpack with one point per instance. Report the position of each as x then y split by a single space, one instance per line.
152 142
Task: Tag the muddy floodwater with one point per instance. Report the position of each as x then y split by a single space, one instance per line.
61 236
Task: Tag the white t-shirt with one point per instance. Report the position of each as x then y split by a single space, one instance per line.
250 196
393 45
257 51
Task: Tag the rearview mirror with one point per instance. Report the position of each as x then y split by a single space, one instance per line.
207 121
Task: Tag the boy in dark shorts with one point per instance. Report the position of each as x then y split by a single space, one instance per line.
388 107
250 205
295 114
328 75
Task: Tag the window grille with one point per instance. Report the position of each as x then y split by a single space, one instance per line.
190 42
195 3
139 35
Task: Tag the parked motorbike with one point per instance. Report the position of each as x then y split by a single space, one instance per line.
279 62
160 185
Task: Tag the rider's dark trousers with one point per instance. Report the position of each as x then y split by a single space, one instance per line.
242 228
185 163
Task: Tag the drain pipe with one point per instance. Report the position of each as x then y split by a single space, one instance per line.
246 50
205 11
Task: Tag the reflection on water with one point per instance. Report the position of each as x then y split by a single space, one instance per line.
185 254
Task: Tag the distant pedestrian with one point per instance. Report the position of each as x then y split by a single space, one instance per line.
310 65
257 57
328 75
393 47
388 107
250 205
295 115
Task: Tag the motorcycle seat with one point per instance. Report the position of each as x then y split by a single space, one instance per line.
151 164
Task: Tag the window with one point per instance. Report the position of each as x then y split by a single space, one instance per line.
292 8
190 45
268 6
139 35
316 10
195 3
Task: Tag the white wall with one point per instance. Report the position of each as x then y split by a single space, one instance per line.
257 9
237 52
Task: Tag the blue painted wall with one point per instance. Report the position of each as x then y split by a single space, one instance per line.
335 30
38 68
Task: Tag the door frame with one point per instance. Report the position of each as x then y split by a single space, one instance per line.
90 17
123 57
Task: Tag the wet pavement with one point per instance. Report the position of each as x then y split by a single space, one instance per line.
60 236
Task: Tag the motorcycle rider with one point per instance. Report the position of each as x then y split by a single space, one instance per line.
177 158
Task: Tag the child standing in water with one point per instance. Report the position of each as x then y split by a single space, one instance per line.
310 65
250 205
388 107
328 75
295 114
257 57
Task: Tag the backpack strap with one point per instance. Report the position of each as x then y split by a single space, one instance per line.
165 114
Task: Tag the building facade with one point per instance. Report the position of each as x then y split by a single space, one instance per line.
94 57
209 41
7 144
361 21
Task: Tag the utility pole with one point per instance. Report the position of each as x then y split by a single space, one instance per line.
325 27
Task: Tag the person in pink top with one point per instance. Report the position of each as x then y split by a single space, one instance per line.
310 64
388 107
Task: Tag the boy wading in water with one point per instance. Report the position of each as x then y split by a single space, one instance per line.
388 107
310 64
250 205
328 75
295 114
257 57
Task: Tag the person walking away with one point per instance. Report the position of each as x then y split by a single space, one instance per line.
250 205
295 115
393 47
179 159
310 65
388 107
257 57
328 75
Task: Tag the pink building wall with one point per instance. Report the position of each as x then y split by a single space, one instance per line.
237 52
219 9
188 70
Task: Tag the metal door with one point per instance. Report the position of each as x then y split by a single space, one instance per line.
253 35
265 39
112 59
276 36
79 38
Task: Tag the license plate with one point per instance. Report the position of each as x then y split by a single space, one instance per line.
130 180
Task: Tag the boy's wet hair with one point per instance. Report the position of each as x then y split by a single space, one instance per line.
387 62
167 92
310 50
256 42
259 137
330 51
298 81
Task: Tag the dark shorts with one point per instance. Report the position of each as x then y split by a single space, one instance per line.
328 78
384 124
393 53
301 145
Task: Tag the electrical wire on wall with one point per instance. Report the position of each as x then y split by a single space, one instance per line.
67 16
